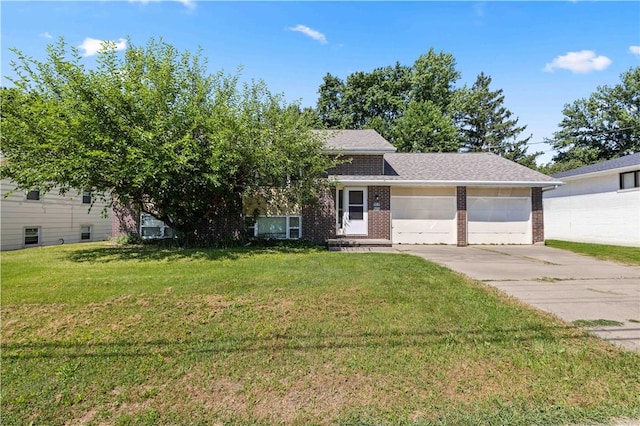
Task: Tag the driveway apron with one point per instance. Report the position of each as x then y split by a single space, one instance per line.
571 286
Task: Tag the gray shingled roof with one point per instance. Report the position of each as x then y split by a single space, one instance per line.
356 141
467 168
616 163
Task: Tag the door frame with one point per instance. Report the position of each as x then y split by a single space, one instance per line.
342 228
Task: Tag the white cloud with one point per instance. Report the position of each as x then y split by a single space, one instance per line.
580 62
316 35
189 4
635 50
91 46
46 35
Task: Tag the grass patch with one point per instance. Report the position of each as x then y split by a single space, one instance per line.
94 334
597 323
621 254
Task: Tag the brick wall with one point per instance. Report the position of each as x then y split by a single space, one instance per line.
380 220
125 220
537 215
461 203
319 219
360 165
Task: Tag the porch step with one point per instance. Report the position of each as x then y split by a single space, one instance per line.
339 244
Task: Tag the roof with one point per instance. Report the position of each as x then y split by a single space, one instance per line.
453 169
356 141
616 163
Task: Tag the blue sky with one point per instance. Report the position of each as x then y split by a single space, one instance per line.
542 54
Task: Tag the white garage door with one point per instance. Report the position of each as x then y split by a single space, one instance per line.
499 220
423 220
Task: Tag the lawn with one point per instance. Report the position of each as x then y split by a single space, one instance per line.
98 334
621 254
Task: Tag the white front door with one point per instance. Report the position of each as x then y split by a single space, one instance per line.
354 218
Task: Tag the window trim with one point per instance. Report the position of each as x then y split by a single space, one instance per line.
90 232
38 236
636 180
288 228
86 196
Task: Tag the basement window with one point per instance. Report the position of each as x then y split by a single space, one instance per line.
31 236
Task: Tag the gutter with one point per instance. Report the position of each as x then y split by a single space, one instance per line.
418 182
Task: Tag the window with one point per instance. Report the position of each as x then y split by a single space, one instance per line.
85 233
86 197
31 236
275 227
33 195
151 227
630 180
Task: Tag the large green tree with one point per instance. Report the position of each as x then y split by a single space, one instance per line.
379 100
603 126
485 124
154 128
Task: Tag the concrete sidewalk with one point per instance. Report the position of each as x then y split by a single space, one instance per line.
569 285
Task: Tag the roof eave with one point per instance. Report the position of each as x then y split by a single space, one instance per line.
614 170
355 151
420 182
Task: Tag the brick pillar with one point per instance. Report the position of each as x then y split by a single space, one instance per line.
537 215
461 202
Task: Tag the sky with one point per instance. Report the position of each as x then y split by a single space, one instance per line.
543 55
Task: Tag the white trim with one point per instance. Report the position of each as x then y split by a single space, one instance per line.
416 182
287 225
24 236
365 209
601 172
90 232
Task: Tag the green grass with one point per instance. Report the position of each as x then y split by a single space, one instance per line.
95 334
621 254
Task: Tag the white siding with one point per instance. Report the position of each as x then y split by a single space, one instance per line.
58 217
592 209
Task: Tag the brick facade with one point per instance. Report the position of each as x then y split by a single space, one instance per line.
125 220
537 215
364 165
319 219
461 207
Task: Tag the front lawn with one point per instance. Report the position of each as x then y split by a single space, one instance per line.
95 334
621 254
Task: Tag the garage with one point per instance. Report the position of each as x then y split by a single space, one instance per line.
499 216
423 216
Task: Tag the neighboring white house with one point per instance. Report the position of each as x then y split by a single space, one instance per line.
599 203
35 219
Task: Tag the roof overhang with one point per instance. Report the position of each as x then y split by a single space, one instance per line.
352 151
344 180
615 171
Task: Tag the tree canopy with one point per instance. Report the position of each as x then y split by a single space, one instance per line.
154 129
418 108
603 126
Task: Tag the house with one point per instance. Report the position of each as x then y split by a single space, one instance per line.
599 203
449 198
35 219
382 197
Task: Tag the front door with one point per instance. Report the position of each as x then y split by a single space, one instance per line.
355 212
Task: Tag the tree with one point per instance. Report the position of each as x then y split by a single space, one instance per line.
424 128
154 129
487 125
380 98
606 125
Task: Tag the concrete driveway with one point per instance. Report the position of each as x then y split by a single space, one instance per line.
566 284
